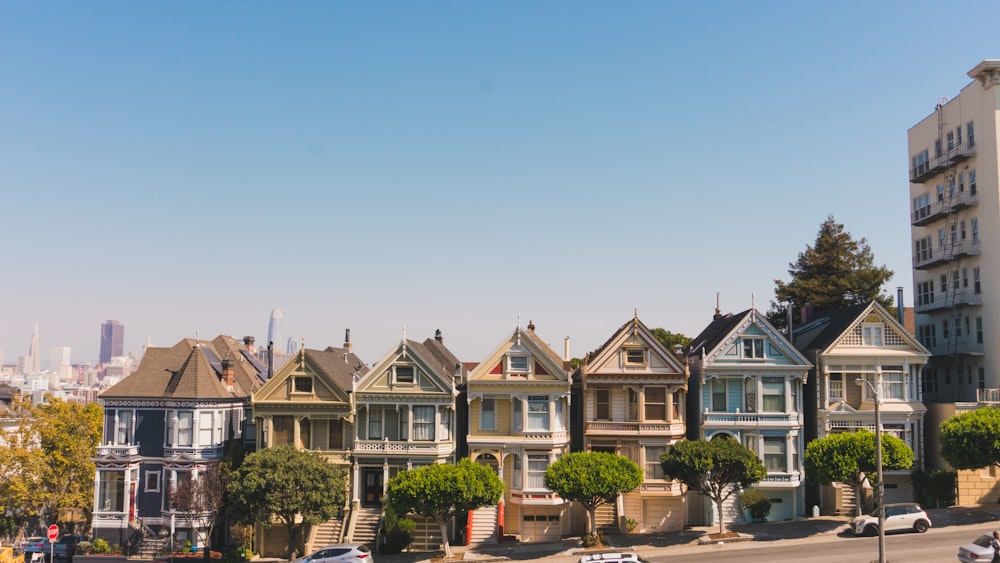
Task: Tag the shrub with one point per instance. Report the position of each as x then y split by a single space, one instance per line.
756 502
631 524
85 548
595 539
397 531
934 489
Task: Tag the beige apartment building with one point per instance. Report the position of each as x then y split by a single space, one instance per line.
954 216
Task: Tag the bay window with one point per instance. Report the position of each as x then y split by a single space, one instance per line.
537 464
773 394
538 412
111 491
775 453
423 424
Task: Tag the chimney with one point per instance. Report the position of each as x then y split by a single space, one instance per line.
805 313
531 325
438 336
718 310
899 304
228 374
347 340
248 344
566 349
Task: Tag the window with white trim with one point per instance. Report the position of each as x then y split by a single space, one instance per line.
655 403
773 394
517 471
205 427
719 395
753 348
775 454
303 384
836 387
538 412
185 423
602 400
537 464
871 334
488 414
403 374
374 423
516 419
123 434
517 364
653 468
152 481
423 423
635 356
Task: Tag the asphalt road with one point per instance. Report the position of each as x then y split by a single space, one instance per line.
935 546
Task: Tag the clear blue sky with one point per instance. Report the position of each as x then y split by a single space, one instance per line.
187 166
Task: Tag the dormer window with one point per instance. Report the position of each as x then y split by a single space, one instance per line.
403 374
635 356
753 348
517 364
303 385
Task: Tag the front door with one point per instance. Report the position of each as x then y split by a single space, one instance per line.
372 487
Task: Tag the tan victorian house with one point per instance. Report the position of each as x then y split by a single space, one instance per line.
853 350
518 400
633 395
405 408
307 403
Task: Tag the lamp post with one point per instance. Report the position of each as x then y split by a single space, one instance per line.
877 390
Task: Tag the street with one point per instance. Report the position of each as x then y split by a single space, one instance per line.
934 546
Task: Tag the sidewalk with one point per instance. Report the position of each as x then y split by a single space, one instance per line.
661 544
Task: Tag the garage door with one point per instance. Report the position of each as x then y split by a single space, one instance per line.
540 525
662 515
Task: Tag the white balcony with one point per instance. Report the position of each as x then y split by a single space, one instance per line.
633 428
397 447
127 450
736 419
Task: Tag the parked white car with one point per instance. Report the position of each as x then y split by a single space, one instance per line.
339 554
898 517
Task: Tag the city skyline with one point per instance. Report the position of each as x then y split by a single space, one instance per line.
448 166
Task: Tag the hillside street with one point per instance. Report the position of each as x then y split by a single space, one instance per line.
813 539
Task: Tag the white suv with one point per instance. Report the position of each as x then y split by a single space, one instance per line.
902 516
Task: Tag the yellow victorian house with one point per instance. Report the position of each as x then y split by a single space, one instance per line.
518 399
307 404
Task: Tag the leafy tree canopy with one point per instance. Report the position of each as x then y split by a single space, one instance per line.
440 490
46 462
670 339
716 468
836 272
971 440
850 457
592 479
282 483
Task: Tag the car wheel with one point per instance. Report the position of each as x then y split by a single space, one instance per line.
921 526
871 530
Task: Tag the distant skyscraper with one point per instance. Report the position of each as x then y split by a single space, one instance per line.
35 362
273 326
112 340
58 357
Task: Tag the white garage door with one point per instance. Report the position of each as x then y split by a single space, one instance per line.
540 525
662 515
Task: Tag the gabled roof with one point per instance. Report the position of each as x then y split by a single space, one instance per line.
333 369
190 369
720 333
828 328
338 364
524 339
633 331
431 355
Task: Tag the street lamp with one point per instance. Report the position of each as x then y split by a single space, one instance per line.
877 391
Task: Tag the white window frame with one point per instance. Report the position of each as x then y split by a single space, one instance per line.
151 481
634 356
425 425
518 369
379 420
206 426
775 448
753 345
185 429
772 383
125 424
873 334
405 379
537 465
487 416
653 470
538 413
836 387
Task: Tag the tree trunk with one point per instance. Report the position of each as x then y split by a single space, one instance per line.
591 519
444 538
291 541
722 519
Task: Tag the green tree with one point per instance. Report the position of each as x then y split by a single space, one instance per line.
47 460
202 498
670 339
715 468
592 479
971 440
850 458
285 483
836 272
441 490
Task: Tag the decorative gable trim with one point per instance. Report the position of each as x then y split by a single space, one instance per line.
754 324
894 336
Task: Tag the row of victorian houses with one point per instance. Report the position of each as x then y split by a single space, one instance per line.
517 411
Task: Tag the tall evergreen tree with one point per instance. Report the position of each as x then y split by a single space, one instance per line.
836 272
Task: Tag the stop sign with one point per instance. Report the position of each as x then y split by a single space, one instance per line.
53 532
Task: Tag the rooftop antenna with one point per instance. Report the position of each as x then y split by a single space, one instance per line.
404 341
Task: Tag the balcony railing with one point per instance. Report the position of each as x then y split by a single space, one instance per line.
128 450
988 396
959 299
402 447
957 346
633 427
209 452
932 257
741 418
930 213
925 171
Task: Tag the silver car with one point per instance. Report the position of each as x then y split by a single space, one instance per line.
339 554
898 517
978 551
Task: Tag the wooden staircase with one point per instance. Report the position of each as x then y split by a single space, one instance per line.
606 517
484 525
327 533
365 527
848 505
